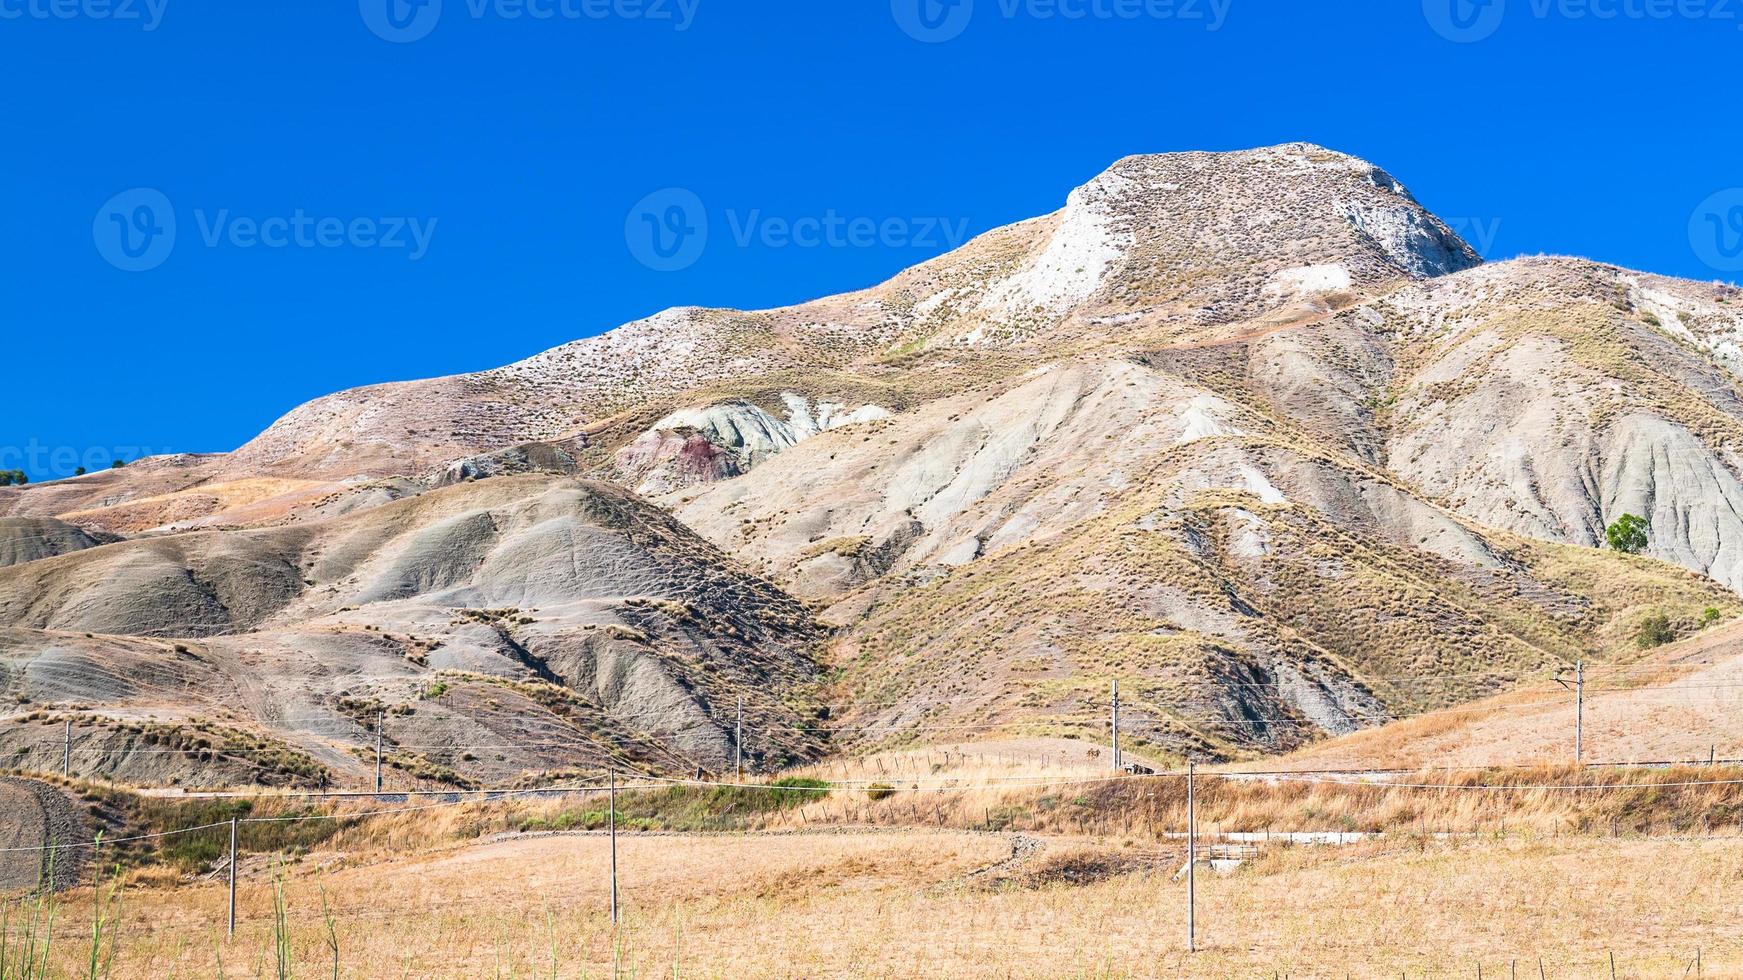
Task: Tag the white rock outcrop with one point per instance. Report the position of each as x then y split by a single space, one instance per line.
723 440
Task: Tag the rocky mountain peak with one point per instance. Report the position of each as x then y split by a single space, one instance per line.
1278 203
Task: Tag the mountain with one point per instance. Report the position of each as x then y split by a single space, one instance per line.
1254 433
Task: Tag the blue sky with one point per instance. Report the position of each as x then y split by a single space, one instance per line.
465 192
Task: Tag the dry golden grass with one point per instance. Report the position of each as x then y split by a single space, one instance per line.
909 885
1682 703
254 499
905 903
963 789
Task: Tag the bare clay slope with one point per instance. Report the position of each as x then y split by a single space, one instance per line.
25 539
1253 431
997 560
1549 396
38 814
556 621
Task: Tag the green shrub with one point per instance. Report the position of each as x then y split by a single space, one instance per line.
879 791
688 807
1655 631
200 850
1710 615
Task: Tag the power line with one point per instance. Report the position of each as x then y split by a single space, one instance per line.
643 781
1499 787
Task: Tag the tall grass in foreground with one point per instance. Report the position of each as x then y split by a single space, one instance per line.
27 936
27 930
105 916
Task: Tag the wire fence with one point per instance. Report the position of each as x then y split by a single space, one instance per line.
1376 779
1212 846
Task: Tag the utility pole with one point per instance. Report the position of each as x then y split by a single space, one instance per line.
1191 856
738 743
612 823
67 749
232 932
1579 689
378 726
1579 712
1116 725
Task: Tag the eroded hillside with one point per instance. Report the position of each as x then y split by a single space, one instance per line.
1253 432
509 626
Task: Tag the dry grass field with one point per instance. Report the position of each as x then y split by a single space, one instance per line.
959 871
916 903
1682 702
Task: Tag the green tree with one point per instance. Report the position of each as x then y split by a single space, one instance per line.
1628 534
117 465
79 472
